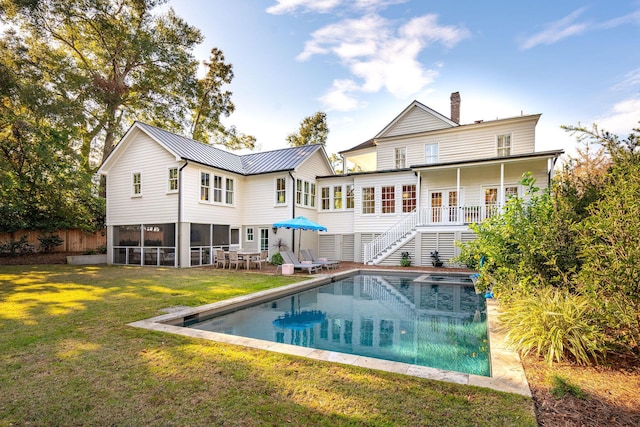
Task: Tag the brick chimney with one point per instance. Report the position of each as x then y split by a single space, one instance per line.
455 107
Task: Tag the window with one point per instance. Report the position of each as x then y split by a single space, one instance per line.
368 200
264 239
306 193
388 200
229 193
217 189
299 191
401 158
249 234
350 199
324 199
337 197
408 198
281 191
511 191
173 179
204 186
136 183
313 195
504 145
431 153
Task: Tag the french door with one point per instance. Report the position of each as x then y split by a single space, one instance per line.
444 206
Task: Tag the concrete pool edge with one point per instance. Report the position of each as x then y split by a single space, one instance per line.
507 372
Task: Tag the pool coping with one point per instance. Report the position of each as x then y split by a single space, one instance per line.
507 372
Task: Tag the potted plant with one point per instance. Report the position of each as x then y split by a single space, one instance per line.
435 259
405 259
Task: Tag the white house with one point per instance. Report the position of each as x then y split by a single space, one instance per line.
420 182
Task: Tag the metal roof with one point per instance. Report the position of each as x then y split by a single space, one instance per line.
247 164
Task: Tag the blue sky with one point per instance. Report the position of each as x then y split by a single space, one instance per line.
364 61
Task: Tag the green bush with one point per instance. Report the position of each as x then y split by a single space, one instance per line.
16 247
276 259
48 242
555 324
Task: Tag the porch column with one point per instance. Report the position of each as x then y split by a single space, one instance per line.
501 189
458 198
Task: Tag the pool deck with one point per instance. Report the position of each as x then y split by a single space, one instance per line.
507 373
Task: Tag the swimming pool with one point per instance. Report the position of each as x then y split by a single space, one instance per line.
421 319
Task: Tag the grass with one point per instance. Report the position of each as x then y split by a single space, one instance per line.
560 387
68 358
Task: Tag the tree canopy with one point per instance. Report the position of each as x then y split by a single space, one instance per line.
313 130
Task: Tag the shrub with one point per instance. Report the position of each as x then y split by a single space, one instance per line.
276 259
48 242
556 324
405 259
16 247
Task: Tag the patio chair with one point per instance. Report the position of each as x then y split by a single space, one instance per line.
290 258
310 255
221 258
260 259
234 258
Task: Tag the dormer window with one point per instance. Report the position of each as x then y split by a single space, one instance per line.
504 145
401 158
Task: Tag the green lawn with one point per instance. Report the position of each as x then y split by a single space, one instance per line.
67 357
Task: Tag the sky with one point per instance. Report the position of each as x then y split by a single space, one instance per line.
363 62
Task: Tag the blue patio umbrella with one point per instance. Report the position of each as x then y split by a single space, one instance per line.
300 223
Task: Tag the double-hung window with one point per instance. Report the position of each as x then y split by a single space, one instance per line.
324 199
337 197
173 180
229 192
136 184
281 191
350 199
408 198
217 189
312 202
299 191
504 145
388 199
249 237
368 200
401 157
204 187
431 154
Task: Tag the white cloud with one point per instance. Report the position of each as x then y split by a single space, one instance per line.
622 118
325 6
631 80
557 31
381 56
338 98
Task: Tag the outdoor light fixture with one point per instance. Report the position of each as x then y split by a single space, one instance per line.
274 229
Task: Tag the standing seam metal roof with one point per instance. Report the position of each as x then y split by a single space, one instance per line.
249 164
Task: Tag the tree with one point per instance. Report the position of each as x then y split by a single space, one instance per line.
313 130
117 62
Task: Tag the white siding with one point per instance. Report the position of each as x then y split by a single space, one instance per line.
155 205
414 121
469 142
379 222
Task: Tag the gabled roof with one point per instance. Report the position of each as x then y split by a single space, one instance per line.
447 122
285 159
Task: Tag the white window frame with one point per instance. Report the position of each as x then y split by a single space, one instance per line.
400 157
410 196
338 202
281 193
373 199
172 180
502 149
249 234
217 189
136 187
229 191
429 157
391 206
349 197
313 195
206 187
325 198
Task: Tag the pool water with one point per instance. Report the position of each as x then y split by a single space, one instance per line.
429 320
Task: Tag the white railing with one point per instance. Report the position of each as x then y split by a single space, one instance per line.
392 235
448 215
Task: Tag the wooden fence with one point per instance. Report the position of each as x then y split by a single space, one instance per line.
73 240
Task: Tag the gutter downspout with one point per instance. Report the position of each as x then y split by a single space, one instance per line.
178 245
293 211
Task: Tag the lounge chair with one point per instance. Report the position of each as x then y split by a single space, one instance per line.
290 258
310 255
